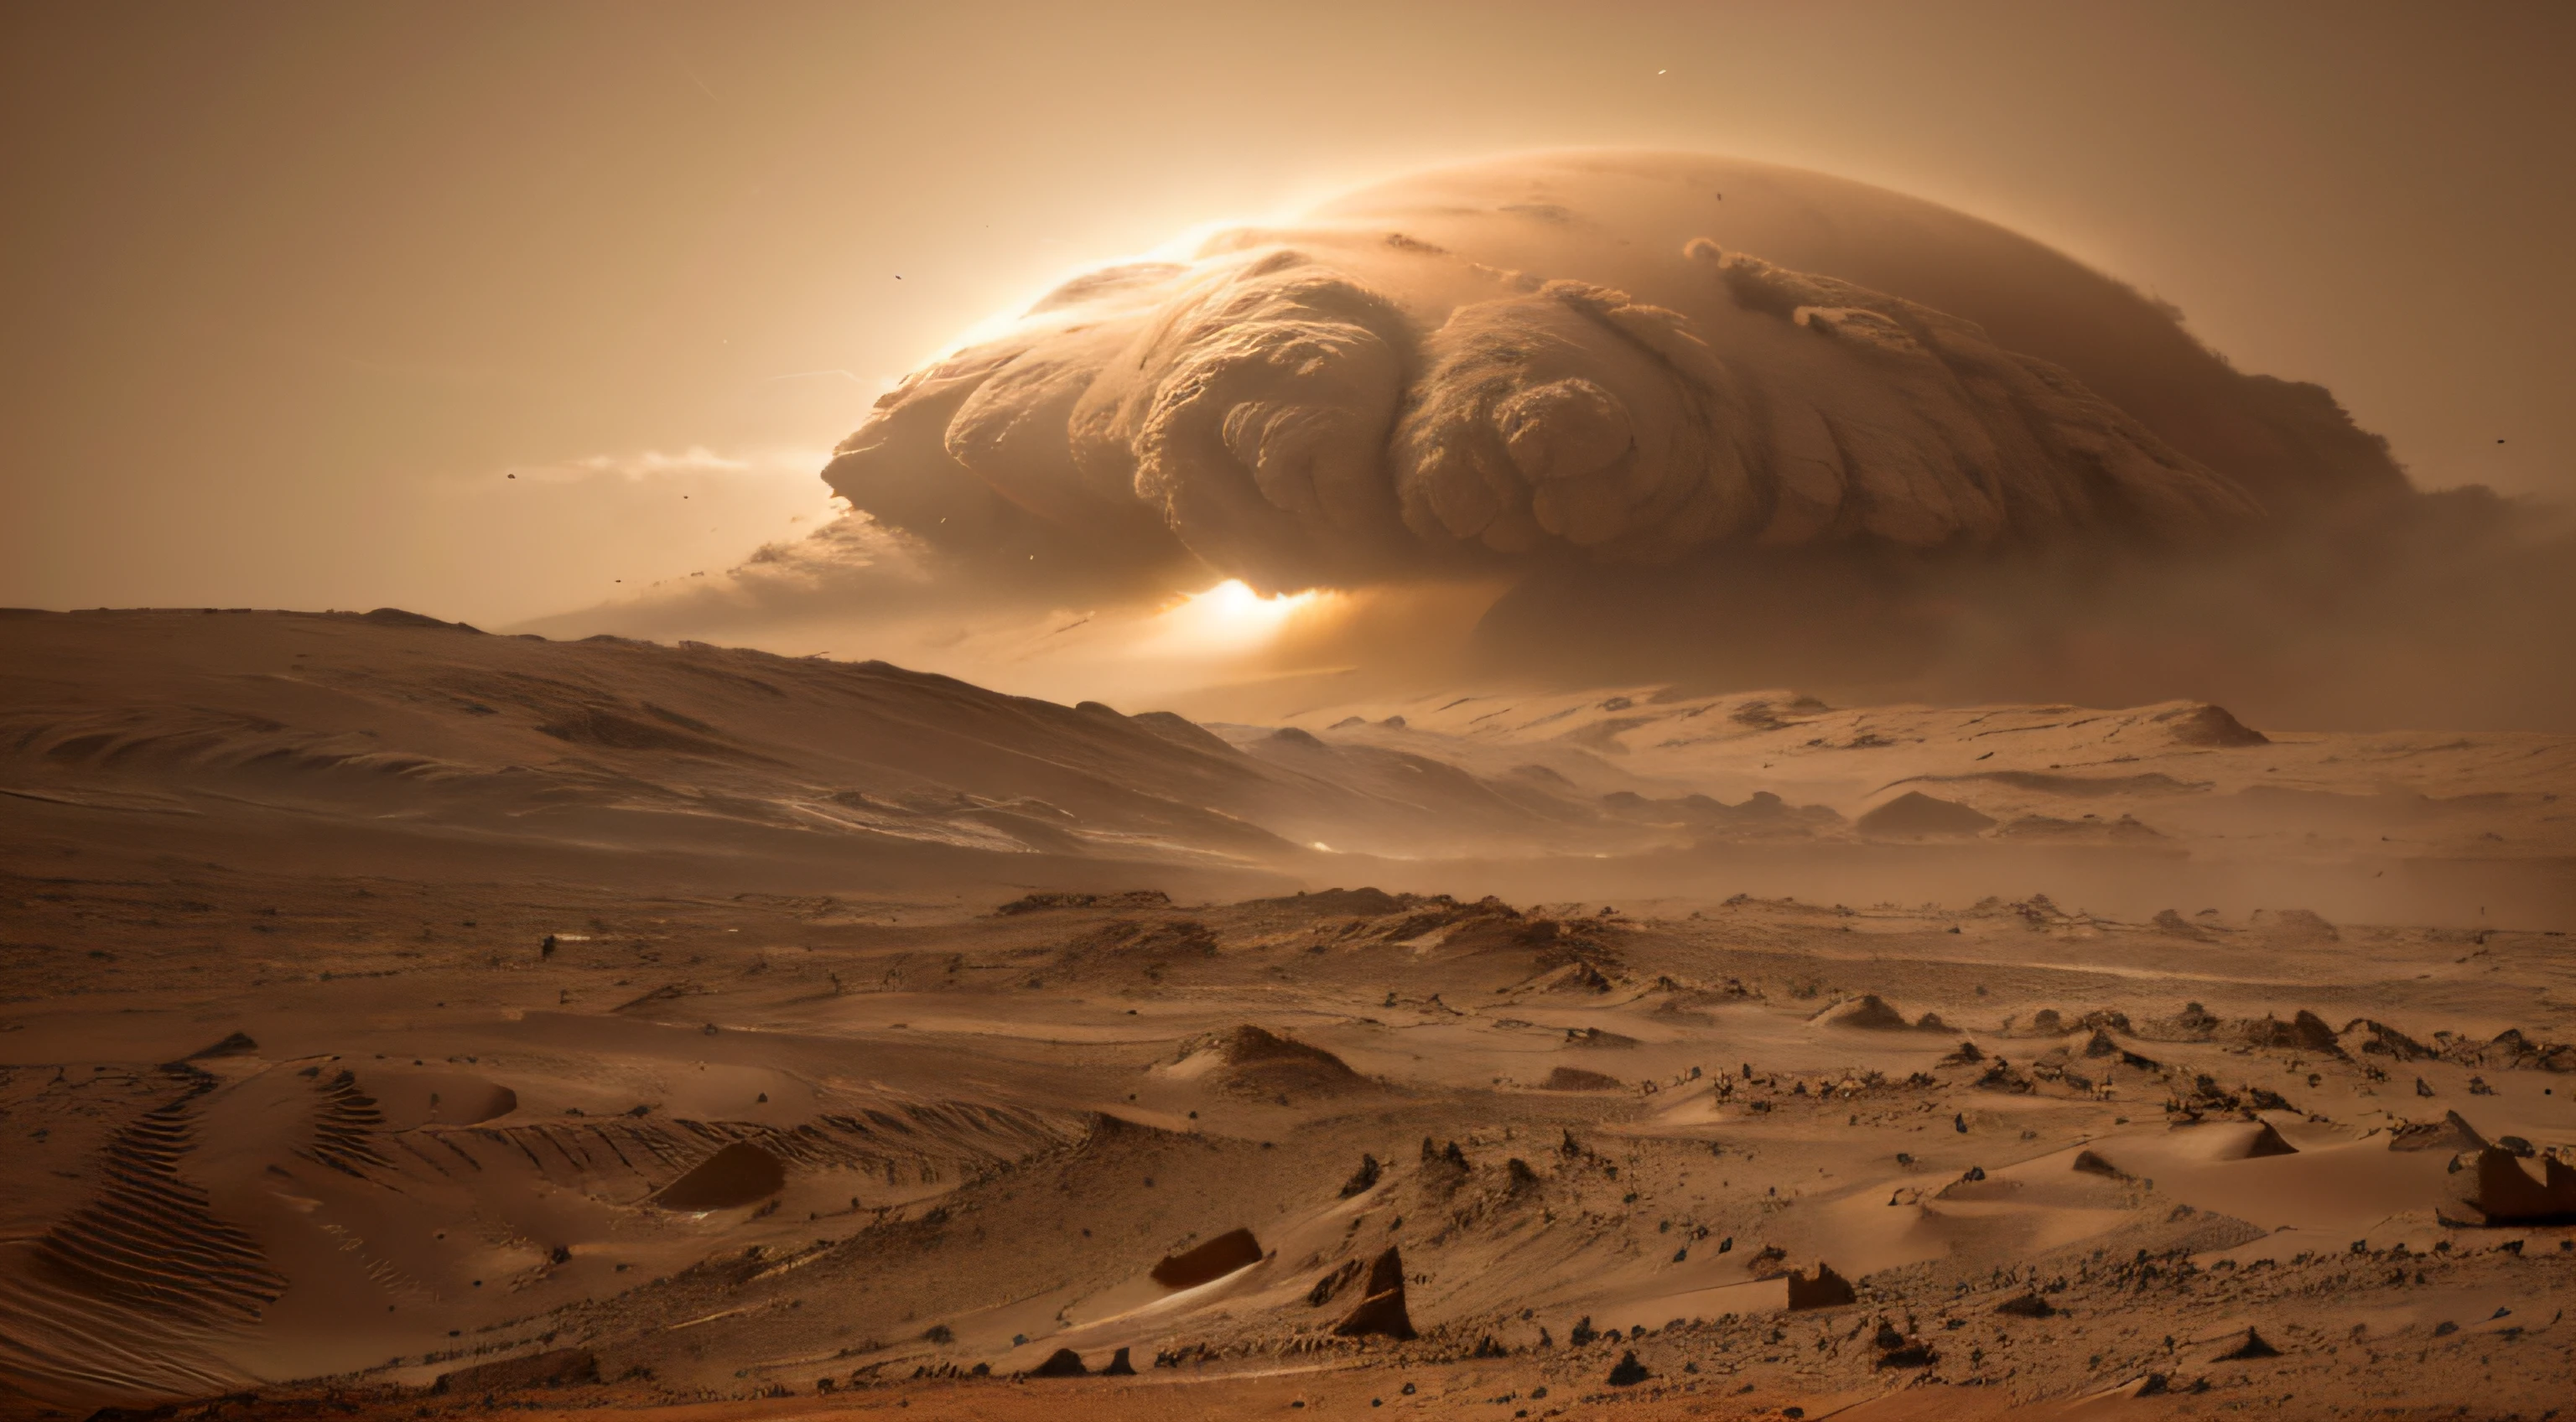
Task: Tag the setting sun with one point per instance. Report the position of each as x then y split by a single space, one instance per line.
1231 616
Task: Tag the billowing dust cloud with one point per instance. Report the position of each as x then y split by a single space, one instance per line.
1541 359
1716 422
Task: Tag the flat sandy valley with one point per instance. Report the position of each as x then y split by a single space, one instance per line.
401 1021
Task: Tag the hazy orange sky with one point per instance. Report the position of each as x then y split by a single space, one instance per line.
291 290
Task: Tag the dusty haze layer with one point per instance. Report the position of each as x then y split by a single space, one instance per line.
1585 418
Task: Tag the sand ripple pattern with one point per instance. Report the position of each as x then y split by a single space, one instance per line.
119 1296
344 1127
901 1144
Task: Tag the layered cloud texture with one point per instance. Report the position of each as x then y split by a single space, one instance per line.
1620 419
1631 359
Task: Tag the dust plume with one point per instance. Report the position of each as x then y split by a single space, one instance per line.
1678 417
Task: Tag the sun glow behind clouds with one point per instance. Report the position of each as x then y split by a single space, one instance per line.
1230 617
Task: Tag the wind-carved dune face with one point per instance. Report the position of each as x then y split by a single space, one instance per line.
1548 358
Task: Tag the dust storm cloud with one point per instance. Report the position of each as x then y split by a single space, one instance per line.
1683 418
291 292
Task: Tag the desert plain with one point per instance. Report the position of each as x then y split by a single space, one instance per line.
402 1021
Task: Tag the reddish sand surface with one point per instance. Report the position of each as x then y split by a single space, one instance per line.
396 1021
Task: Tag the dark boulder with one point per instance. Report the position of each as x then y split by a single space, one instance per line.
1381 1310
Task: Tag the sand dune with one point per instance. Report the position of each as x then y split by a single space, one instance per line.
623 1026
337 739
1774 1139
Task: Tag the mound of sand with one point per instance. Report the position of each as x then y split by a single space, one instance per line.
2211 726
1915 815
736 1175
1218 1257
1566 1078
2226 1140
1250 1060
1870 1013
412 1098
2268 1141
